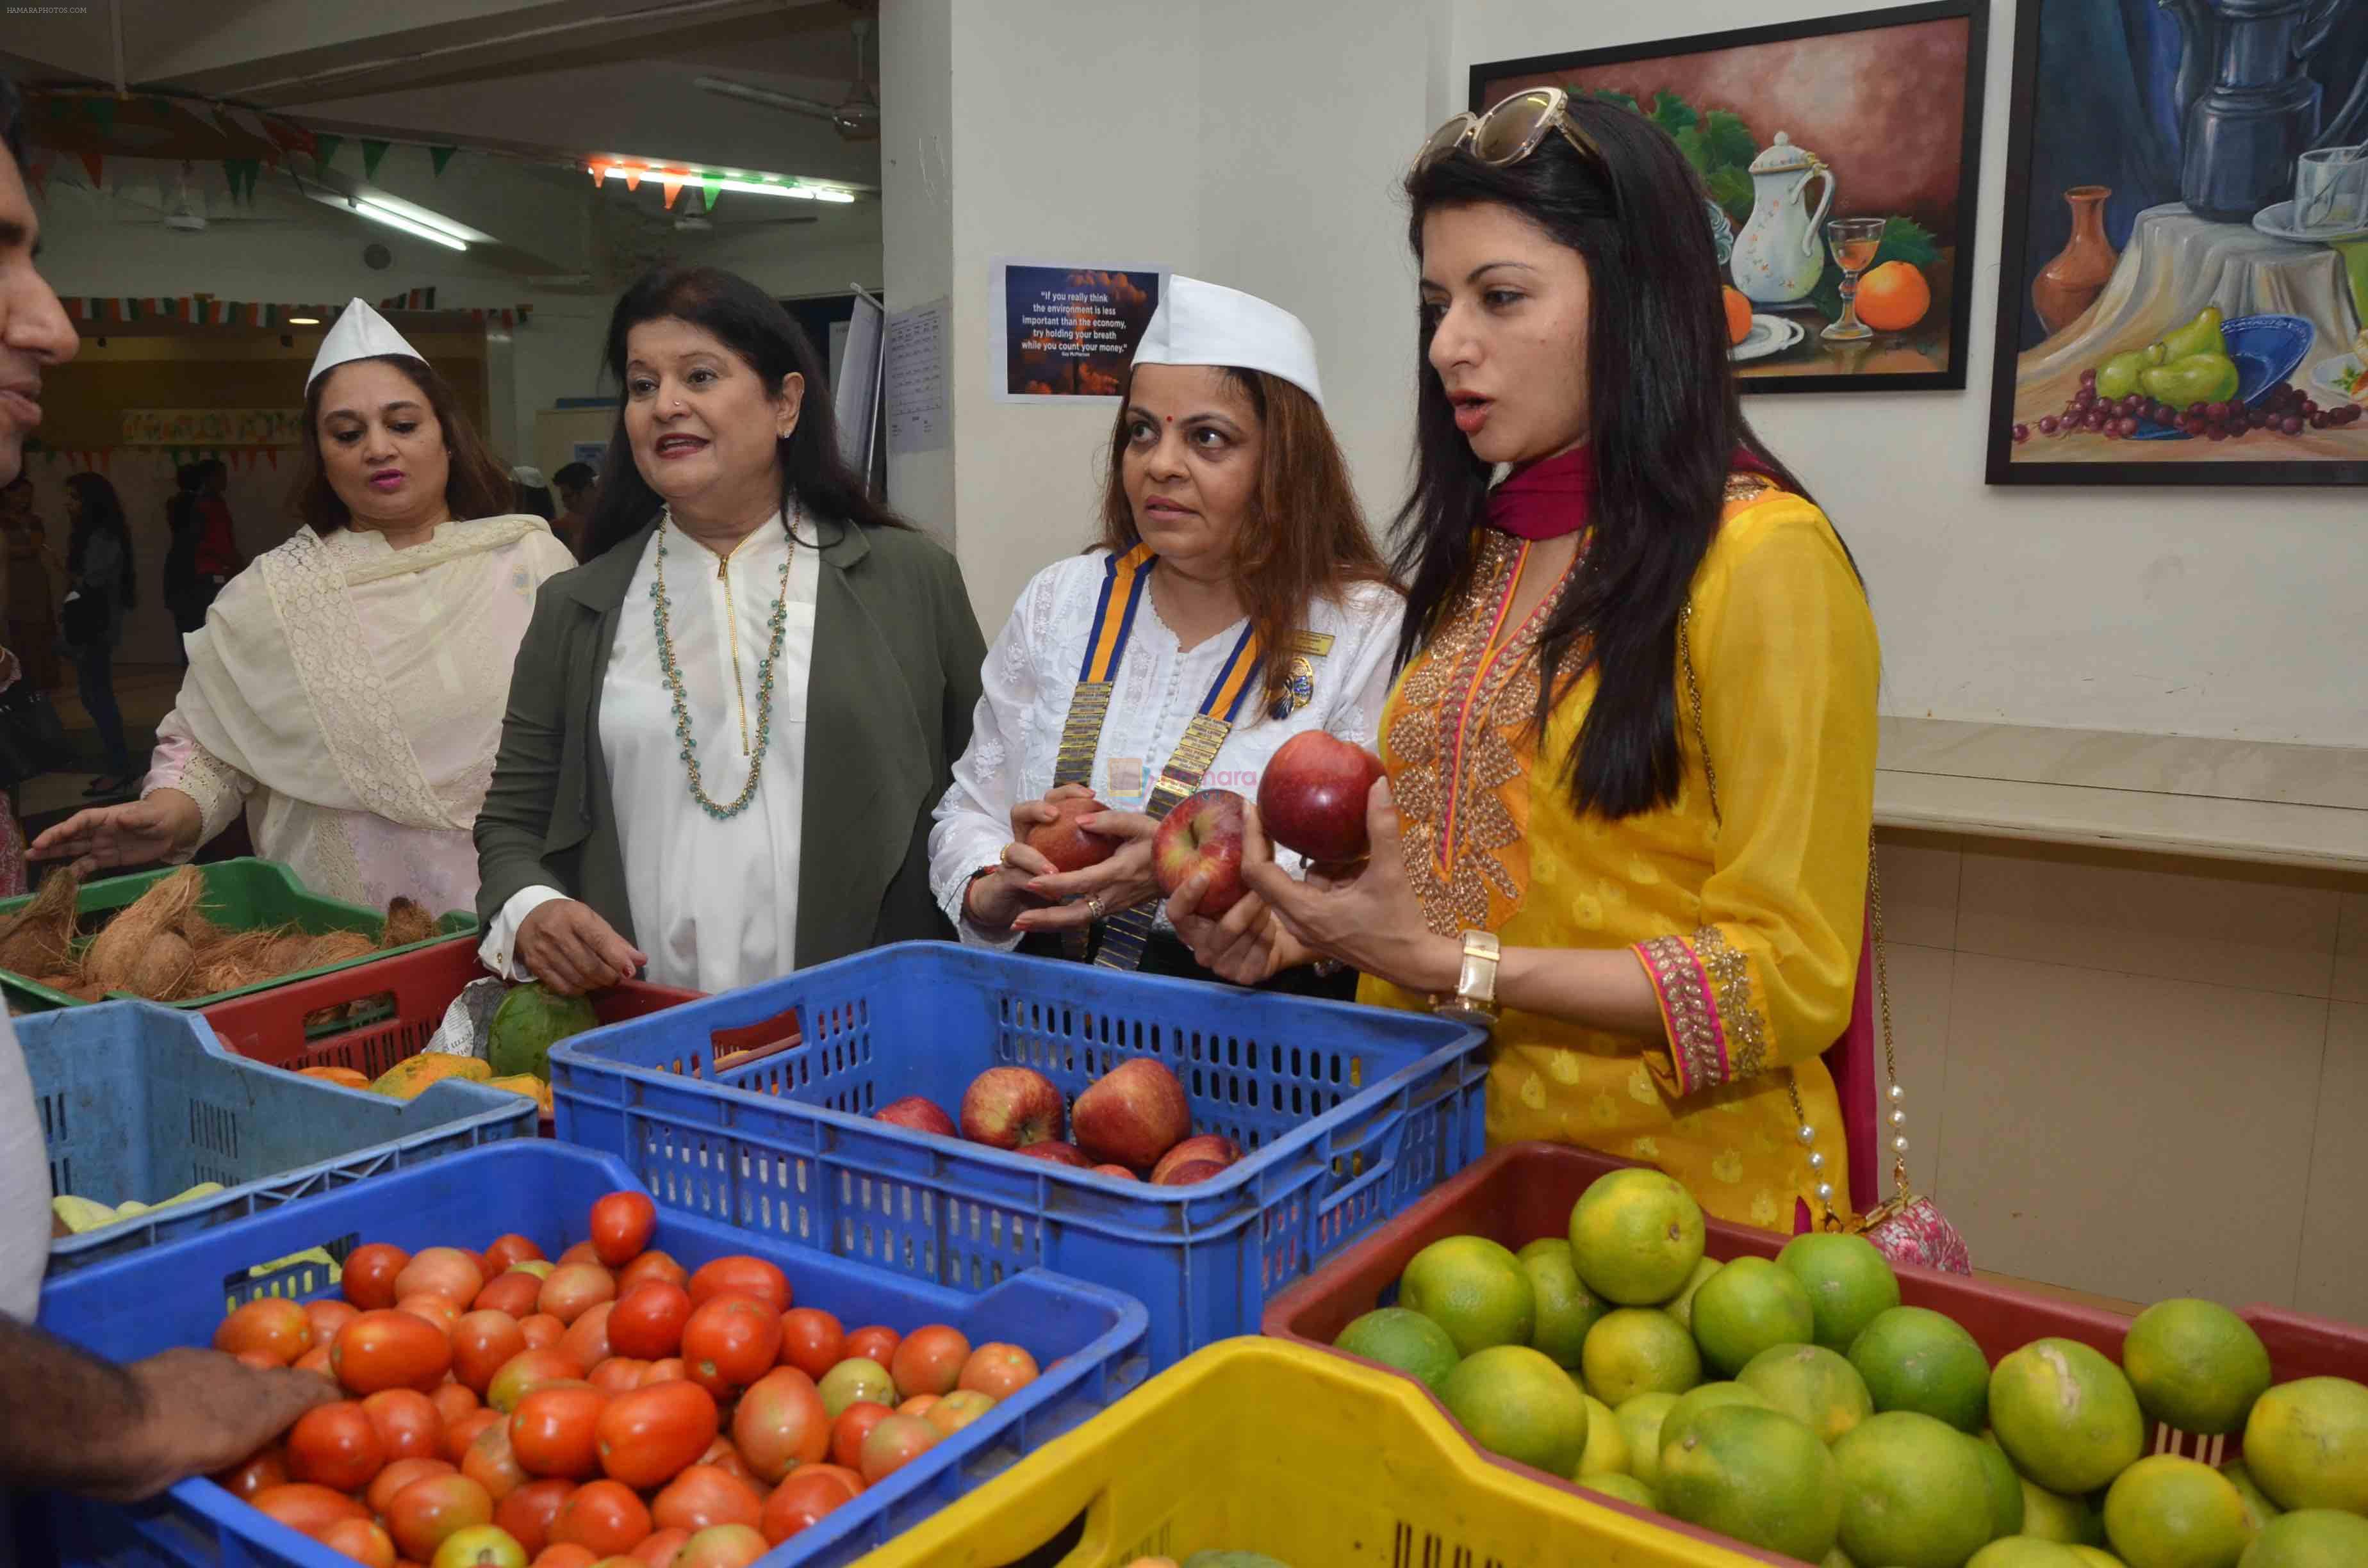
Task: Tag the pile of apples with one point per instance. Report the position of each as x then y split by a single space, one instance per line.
504 1410
1133 1122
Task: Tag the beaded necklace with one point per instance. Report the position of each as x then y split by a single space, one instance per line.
673 672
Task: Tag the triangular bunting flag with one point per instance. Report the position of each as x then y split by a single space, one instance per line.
372 151
509 320
325 147
439 156
708 185
632 179
92 163
598 174
673 189
522 313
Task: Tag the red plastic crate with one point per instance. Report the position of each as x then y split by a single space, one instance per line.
1523 1191
403 1000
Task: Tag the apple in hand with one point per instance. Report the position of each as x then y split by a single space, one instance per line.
1067 846
1007 1108
1205 832
918 1114
1312 796
1213 1146
1132 1114
1054 1151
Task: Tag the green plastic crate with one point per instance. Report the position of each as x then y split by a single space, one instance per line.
241 896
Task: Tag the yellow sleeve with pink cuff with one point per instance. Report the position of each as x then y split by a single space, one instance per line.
1785 658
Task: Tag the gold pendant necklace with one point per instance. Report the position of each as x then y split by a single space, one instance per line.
688 748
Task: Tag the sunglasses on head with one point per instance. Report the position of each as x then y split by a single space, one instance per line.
1511 131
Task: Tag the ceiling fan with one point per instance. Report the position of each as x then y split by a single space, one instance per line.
855 117
185 209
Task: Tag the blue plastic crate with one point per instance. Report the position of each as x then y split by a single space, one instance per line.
755 1107
1089 1340
140 1101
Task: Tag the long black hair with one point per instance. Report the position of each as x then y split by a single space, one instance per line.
1666 425
753 324
102 512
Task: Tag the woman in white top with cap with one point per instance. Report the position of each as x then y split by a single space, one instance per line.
346 690
1234 601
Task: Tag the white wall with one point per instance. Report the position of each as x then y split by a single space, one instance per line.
2169 611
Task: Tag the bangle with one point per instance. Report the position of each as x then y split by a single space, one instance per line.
1474 997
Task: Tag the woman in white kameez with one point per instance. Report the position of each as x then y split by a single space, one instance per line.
1235 600
346 690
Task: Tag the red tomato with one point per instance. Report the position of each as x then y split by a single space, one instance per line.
528 1370
729 1343
510 1249
917 1406
335 1446
436 1309
669 1371
492 1462
580 1252
362 1540
658 1551
568 1555
540 1329
811 1340
740 1275
400 1475
618 1374
384 1348
721 1545
482 1342
370 1275
929 1360
408 1423
574 1288
650 1434
999 1370
527 1513
449 1272
781 1424
651 1266
854 1425
305 1508
801 1499
647 1321
316 1359
586 1338
622 1223
553 1431
513 1293
421 1515
462 1435
701 1496
328 1315
604 1515
263 1468
272 1326
452 1400
873 1343
894 1443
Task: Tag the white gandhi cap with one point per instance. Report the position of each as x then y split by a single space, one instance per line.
1208 324
361 333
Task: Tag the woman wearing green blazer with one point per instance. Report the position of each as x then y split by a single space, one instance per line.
726 731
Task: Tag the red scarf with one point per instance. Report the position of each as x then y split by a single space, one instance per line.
1555 496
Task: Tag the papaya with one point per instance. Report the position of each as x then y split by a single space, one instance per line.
344 1078
529 1021
525 1083
406 1078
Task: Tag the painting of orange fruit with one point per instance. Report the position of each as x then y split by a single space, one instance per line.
1892 297
1738 316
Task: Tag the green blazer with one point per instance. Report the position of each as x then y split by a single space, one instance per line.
894 683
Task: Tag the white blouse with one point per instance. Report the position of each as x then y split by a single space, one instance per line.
1032 669
715 902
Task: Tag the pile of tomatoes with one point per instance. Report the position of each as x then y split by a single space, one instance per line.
609 1407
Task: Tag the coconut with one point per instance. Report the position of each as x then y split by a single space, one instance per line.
39 938
164 969
337 946
407 922
115 959
233 961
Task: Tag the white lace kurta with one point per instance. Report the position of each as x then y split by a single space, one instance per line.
348 697
715 902
1032 669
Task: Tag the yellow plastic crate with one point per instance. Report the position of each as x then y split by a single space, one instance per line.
1256 1445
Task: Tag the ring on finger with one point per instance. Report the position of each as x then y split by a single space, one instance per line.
1094 907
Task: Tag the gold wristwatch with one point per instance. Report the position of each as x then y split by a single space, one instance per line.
1474 1000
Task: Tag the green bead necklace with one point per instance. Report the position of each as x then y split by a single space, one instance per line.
673 672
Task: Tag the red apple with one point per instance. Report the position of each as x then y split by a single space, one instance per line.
1067 846
1192 1173
1312 796
918 1114
1006 1108
1203 833
1132 1114
1120 1172
1207 1146
1056 1151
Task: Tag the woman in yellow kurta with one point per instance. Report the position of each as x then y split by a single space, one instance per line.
1631 756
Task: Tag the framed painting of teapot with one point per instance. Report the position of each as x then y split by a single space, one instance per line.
2184 283
1839 159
